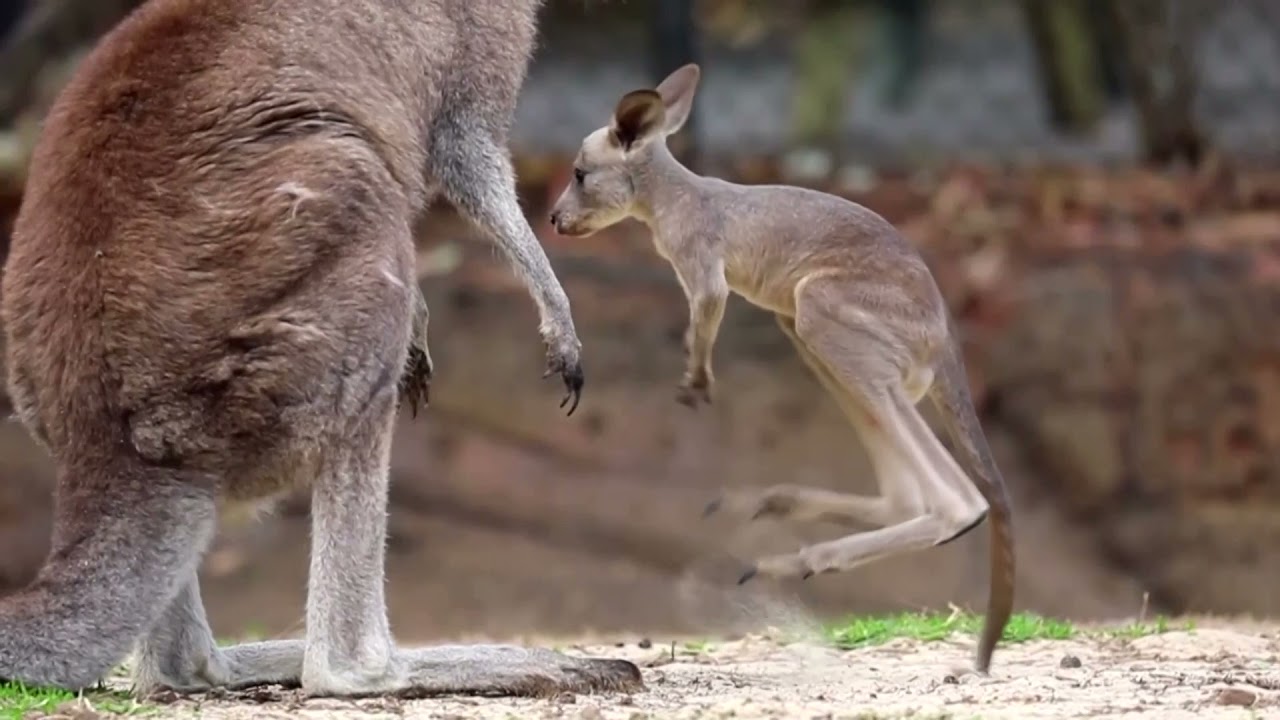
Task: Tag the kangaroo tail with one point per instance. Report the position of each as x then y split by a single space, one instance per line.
950 394
123 544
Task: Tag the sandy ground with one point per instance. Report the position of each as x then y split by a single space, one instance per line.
1209 673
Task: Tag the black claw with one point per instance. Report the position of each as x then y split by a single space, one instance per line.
750 573
573 380
712 507
807 574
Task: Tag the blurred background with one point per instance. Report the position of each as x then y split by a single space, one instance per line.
1095 184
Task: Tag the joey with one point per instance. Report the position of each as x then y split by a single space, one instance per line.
860 307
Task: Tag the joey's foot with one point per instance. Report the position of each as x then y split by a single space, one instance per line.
415 381
779 501
802 565
694 389
563 359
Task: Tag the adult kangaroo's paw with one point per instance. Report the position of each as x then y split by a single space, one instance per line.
514 671
415 381
564 353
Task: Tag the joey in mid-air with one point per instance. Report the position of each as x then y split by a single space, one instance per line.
861 308
210 299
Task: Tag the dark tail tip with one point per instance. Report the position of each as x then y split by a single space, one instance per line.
1000 598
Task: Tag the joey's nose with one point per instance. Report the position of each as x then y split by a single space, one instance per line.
555 217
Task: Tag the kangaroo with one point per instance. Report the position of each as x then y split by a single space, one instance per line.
210 299
861 308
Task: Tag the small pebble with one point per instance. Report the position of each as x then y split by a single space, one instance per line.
163 697
1235 696
645 643
566 698
1069 662
76 710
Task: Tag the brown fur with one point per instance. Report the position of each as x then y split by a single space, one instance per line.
210 297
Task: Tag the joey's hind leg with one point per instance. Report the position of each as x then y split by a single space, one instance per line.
869 367
795 502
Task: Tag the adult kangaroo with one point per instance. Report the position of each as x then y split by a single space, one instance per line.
210 298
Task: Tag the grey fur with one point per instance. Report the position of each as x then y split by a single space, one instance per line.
862 310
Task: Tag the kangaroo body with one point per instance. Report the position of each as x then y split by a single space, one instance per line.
861 308
210 297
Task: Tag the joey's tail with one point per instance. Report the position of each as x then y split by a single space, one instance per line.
123 543
950 395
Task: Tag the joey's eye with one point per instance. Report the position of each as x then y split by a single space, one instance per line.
579 175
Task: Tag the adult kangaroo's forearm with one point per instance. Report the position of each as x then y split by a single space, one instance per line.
478 178
476 175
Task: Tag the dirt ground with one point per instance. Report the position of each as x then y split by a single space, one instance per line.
1215 671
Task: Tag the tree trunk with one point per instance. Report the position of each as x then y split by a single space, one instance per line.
829 44
1066 49
10 11
1156 36
675 43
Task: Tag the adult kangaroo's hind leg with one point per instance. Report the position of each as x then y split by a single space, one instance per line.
125 537
349 649
181 654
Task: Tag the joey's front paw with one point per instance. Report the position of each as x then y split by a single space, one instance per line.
695 388
563 359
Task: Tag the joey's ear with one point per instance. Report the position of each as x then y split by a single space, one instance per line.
638 116
677 92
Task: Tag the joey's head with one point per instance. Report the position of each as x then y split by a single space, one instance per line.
604 188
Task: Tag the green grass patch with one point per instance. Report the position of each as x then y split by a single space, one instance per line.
1141 629
17 700
696 647
867 630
